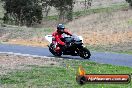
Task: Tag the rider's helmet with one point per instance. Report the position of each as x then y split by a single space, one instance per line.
60 28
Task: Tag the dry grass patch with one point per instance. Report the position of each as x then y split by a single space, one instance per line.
104 28
10 63
29 42
96 38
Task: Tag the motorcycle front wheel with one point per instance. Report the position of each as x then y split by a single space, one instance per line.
84 53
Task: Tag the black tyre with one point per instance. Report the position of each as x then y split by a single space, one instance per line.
85 53
53 52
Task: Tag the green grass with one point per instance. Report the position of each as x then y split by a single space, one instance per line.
126 52
129 22
62 76
55 17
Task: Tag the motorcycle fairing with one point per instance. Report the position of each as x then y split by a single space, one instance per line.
49 38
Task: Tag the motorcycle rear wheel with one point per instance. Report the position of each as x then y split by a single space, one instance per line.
53 52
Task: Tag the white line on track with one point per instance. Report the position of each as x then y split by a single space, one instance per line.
20 54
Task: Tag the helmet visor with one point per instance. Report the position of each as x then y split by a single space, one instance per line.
62 29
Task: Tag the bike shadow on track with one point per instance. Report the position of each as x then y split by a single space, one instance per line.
68 57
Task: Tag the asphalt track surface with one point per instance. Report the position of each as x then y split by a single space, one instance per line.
100 57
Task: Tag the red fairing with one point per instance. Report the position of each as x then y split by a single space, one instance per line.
58 36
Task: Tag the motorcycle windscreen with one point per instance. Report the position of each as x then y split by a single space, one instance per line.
49 38
77 37
81 38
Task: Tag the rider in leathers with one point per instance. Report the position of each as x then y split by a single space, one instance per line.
57 35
